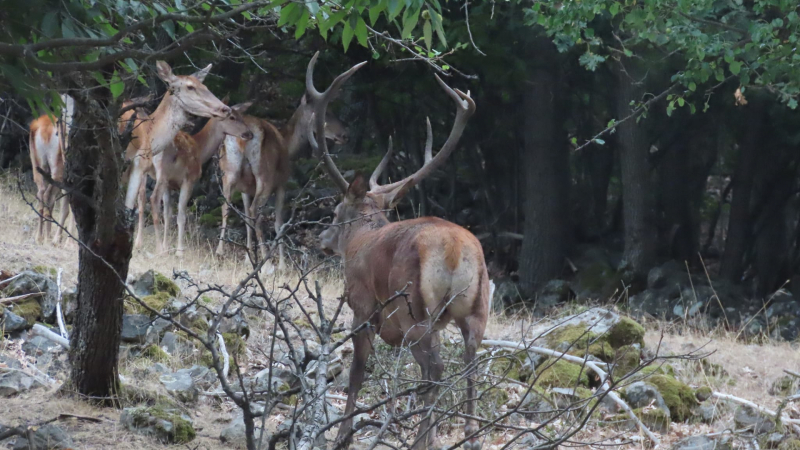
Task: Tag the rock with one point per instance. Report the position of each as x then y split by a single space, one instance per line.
29 282
747 417
181 386
679 397
156 330
506 294
552 293
152 282
699 443
670 273
784 386
158 368
14 383
641 394
334 368
12 323
7 361
168 426
234 434
705 413
596 277
236 324
176 345
202 376
38 345
772 440
134 327
703 393
46 437
69 304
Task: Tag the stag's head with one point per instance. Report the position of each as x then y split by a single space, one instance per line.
363 205
234 124
190 92
335 129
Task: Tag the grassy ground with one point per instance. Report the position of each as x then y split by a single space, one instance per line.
751 368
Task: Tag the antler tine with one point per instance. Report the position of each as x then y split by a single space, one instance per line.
330 166
373 180
333 89
466 107
311 91
428 141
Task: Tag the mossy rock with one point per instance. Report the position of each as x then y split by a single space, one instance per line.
597 279
200 326
626 360
660 369
155 354
789 444
180 432
655 419
44 270
703 393
784 386
581 342
561 374
28 309
164 284
626 332
679 397
157 301
507 366
235 346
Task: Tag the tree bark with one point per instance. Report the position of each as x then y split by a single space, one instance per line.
545 162
638 200
743 178
92 175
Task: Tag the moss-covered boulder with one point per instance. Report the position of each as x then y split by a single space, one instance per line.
29 309
166 425
152 282
508 366
703 393
656 419
626 359
157 302
625 332
679 397
559 373
155 353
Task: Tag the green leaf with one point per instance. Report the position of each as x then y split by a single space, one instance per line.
116 86
735 66
361 31
436 19
375 12
680 101
395 6
599 141
301 24
409 23
428 33
445 67
692 86
614 9
347 36
286 13
50 24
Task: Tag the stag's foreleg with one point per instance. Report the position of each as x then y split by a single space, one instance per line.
362 348
426 352
63 215
280 194
141 199
183 203
472 329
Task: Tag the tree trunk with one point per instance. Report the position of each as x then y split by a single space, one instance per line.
92 174
638 200
743 177
545 162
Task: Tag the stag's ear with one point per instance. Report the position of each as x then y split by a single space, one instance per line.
358 188
226 99
241 107
393 198
201 74
165 73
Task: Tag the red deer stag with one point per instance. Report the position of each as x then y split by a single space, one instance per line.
48 141
261 166
438 263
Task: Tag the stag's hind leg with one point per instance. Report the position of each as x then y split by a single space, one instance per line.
362 348
426 353
472 329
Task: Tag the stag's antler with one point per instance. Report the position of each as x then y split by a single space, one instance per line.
320 101
393 192
373 180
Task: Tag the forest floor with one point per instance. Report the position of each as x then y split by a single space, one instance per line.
752 368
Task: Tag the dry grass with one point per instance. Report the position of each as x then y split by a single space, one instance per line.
752 368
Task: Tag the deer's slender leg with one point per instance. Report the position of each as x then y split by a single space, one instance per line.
263 192
226 192
41 189
165 199
50 203
362 348
280 194
249 224
141 201
62 217
183 201
426 352
472 329
155 211
133 183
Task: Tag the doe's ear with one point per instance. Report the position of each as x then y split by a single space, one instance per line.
242 107
226 99
358 188
165 73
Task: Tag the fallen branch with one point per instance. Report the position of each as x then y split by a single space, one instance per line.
759 408
9 300
59 316
592 365
9 280
789 372
226 359
42 331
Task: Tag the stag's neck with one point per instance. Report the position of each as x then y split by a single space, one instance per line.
209 139
361 231
168 119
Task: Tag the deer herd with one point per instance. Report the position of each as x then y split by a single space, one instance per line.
405 281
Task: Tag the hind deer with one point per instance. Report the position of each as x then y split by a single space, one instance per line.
261 166
438 265
48 142
155 134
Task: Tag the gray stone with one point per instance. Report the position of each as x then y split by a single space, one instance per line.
176 345
773 440
749 418
698 443
705 413
506 293
234 434
158 368
641 394
69 304
134 327
29 282
334 368
181 386
8 361
236 324
14 383
202 376
157 329
12 323
38 345
46 437
556 291
145 285
170 426
669 273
